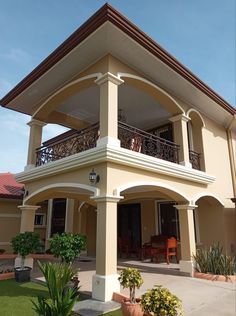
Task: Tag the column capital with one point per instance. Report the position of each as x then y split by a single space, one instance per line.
185 206
34 122
29 207
107 198
179 117
108 77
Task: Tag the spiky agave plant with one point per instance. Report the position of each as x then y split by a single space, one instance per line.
60 301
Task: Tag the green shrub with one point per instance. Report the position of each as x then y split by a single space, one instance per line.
130 278
67 246
161 302
214 261
61 298
25 243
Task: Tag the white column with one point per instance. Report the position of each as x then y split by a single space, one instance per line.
49 222
105 281
187 237
181 138
35 139
108 109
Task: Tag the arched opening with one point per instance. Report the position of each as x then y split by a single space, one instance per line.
195 140
65 207
147 216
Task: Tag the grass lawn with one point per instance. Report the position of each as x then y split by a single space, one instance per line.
15 298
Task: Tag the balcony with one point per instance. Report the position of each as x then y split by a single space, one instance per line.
130 137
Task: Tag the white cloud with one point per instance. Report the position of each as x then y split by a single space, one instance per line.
19 56
52 130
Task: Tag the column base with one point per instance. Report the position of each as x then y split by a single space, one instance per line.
104 141
103 286
29 262
186 164
187 267
29 167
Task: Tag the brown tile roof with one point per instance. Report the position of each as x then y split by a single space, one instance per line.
9 188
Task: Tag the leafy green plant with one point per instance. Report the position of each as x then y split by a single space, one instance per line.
130 278
161 301
67 246
214 261
24 244
61 297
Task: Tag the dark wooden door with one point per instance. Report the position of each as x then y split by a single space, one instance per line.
169 220
58 216
129 223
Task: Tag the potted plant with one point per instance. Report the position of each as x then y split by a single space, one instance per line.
130 278
61 297
159 301
24 244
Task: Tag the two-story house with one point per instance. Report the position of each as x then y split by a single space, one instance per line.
150 150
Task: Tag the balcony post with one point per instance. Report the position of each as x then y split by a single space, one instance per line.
187 237
108 109
181 138
35 139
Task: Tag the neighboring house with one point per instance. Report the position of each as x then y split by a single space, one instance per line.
161 141
11 196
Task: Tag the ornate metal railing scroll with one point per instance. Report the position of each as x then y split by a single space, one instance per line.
77 142
194 158
137 140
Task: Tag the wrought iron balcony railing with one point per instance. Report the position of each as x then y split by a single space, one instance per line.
77 142
149 144
194 158
130 137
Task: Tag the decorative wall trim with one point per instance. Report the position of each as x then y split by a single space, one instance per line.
10 215
117 155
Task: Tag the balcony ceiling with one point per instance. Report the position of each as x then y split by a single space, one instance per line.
108 38
139 108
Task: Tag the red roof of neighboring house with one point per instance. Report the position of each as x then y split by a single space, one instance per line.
9 188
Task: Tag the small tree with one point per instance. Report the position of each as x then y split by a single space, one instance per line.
67 246
24 244
130 278
160 301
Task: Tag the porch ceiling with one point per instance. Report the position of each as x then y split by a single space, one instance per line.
139 108
111 39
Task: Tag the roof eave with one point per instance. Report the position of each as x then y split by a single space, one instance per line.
108 13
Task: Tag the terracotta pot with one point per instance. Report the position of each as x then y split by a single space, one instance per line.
7 276
130 309
213 277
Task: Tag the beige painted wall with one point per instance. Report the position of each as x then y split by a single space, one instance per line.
147 220
9 226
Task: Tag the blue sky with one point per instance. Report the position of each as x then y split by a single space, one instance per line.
201 34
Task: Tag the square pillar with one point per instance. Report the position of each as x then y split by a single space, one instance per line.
187 237
105 281
108 109
35 139
181 138
26 225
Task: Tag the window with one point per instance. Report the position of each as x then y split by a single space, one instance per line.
40 219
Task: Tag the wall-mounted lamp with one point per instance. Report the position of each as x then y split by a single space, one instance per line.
93 177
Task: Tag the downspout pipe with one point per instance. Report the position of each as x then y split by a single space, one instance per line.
231 153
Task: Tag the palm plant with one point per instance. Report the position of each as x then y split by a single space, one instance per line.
61 297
